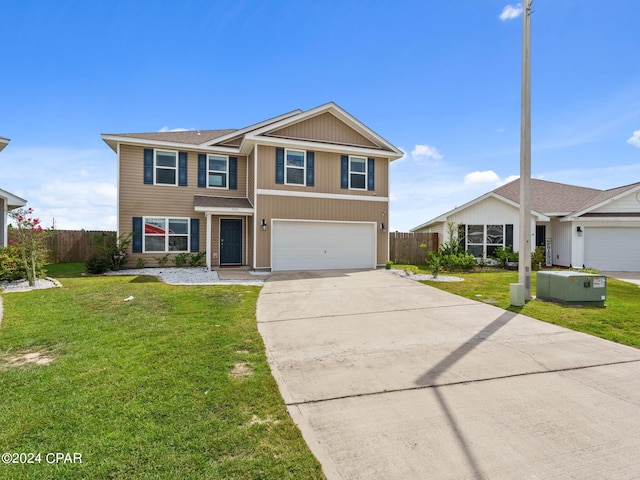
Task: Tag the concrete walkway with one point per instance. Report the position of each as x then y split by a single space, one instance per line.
391 379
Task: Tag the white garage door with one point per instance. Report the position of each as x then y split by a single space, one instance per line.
612 248
322 245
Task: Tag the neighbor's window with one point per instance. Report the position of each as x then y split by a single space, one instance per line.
294 167
495 238
166 234
166 167
218 171
475 240
483 240
358 173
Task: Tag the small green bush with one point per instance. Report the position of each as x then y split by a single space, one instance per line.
141 262
11 267
97 263
181 259
197 259
388 265
162 261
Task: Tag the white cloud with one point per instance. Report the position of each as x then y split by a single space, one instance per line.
488 176
75 187
510 12
167 129
425 153
500 130
635 139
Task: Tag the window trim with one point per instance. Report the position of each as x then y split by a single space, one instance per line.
303 168
155 167
208 170
364 174
166 235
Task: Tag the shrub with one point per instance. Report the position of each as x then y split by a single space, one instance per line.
197 259
162 261
538 257
10 266
97 263
388 265
30 244
504 255
141 262
181 259
434 263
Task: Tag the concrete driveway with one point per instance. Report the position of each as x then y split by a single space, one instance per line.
391 379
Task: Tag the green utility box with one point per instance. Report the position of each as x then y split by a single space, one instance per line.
572 287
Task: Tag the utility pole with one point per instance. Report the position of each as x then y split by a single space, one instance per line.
524 258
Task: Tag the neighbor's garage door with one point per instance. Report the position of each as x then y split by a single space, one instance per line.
322 245
612 248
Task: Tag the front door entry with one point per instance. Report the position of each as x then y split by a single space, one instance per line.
230 241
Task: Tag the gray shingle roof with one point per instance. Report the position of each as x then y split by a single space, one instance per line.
192 137
550 197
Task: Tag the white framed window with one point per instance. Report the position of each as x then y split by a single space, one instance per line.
358 173
483 240
218 171
295 162
163 234
165 167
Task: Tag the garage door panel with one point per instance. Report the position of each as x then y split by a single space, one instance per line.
611 248
322 245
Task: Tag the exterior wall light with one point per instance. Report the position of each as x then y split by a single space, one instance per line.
263 224
579 231
383 227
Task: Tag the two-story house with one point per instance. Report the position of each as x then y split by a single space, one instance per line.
302 191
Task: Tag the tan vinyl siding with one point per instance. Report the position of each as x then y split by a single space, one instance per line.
325 128
270 207
251 177
139 200
326 174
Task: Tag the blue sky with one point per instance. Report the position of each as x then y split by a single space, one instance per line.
439 79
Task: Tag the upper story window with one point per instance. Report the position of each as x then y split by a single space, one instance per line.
358 173
218 171
295 167
166 167
166 234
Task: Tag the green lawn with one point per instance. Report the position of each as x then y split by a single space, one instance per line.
173 384
619 320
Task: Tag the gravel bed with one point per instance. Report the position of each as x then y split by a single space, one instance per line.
23 285
423 276
188 276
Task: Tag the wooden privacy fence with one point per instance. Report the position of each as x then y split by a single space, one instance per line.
74 245
405 247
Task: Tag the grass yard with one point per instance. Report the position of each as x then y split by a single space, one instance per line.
618 321
173 384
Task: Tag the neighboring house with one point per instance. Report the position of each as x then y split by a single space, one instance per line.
302 191
8 201
580 227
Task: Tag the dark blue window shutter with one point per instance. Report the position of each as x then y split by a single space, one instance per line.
279 165
344 171
371 182
233 173
148 166
182 169
202 170
310 168
136 238
508 236
195 235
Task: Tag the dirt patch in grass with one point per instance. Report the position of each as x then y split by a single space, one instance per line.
22 359
241 370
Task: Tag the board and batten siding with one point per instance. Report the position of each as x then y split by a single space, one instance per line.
326 174
325 128
135 199
301 208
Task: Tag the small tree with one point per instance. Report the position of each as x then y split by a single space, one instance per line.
30 243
